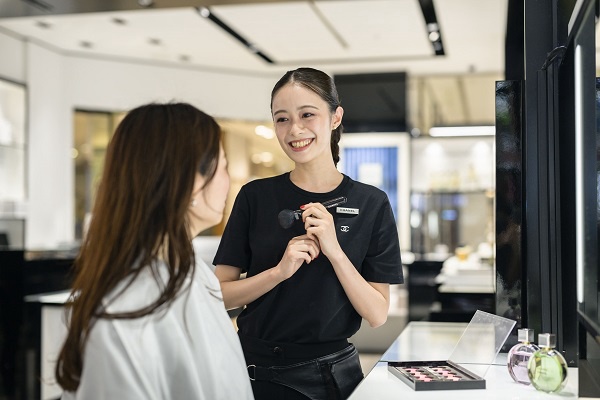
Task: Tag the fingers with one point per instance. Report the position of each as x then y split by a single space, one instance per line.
314 213
306 246
316 210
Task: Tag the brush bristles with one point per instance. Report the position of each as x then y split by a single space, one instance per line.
286 218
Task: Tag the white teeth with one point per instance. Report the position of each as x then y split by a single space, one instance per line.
301 143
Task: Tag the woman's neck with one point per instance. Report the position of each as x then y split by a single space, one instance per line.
316 179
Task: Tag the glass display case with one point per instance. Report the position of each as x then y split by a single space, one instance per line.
13 147
443 221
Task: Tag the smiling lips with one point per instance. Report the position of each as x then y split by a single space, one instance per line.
300 144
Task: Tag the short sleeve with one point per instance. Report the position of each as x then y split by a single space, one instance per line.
383 263
234 248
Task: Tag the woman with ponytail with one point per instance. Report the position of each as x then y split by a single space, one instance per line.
312 278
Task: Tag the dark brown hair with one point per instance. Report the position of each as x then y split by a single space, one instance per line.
139 216
321 84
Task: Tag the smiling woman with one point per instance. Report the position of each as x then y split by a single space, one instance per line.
294 333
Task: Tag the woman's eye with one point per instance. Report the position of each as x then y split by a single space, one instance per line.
307 115
281 119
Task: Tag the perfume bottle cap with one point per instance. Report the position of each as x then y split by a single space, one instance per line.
547 340
525 335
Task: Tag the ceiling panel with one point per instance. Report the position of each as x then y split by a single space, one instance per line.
283 31
181 32
338 36
386 29
474 33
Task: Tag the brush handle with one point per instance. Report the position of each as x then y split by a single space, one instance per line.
334 202
327 204
287 217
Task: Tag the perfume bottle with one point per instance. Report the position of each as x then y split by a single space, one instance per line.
547 367
519 354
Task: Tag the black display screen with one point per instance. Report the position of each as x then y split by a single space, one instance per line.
373 102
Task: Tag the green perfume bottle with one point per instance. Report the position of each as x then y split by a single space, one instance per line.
547 368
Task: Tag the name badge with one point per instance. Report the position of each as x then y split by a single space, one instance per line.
346 210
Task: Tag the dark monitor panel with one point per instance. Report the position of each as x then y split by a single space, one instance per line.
373 102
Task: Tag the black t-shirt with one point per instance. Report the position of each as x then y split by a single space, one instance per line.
311 306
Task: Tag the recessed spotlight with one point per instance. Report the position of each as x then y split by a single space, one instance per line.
43 25
119 21
204 12
146 3
432 26
434 36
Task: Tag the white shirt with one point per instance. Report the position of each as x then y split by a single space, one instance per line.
188 351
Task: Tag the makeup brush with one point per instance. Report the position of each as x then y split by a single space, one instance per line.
287 217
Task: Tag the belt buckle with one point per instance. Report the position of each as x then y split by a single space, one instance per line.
254 371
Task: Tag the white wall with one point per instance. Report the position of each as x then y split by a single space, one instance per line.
58 84
12 61
101 84
50 218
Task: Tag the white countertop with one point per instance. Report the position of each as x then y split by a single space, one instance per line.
432 341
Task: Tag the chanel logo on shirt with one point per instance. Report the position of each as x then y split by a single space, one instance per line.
346 210
344 228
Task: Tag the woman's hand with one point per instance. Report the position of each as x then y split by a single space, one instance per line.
299 250
371 300
319 226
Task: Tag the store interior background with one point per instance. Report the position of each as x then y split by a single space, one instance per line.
79 67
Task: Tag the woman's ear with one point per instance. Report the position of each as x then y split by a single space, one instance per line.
336 119
197 189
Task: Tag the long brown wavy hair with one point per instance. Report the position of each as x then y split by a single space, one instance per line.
323 85
139 216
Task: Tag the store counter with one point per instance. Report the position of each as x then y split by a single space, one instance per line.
435 341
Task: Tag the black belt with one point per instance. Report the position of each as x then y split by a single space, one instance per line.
287 351
312 378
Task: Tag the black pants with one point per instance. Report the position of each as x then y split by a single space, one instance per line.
288 371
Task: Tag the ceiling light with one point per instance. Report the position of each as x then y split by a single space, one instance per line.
43 25
146 3
448 131
434 36
204 12
264 131
119 21
431 25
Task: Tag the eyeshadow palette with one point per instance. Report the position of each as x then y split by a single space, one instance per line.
435 375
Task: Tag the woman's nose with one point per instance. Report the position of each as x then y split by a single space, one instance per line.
297 127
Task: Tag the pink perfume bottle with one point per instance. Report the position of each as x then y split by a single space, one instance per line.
519 355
